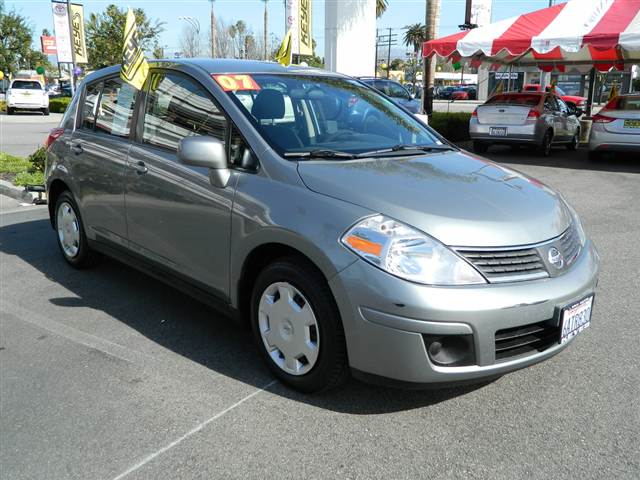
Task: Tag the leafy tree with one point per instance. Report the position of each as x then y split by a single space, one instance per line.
15 42
105 35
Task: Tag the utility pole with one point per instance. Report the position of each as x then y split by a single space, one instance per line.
432 12
389 55
385 41
213 32
266 28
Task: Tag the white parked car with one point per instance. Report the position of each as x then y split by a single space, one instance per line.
25 94
616 128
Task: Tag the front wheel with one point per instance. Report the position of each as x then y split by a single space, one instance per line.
45 111
297 326
70 231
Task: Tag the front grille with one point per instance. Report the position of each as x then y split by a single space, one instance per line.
507 264
527 339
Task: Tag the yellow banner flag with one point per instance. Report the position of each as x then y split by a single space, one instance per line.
135 68
76 17
283 57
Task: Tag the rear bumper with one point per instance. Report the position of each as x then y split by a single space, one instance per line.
385 319
601 140
27 106
515 133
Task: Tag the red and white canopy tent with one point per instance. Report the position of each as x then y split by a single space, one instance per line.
579 34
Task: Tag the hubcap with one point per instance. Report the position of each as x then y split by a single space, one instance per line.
288 328
68 230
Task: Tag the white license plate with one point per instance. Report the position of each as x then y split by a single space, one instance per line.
575 318
498 131
631 124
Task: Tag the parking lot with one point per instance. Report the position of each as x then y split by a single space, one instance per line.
107 373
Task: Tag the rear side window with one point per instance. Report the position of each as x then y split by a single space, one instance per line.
624 103
92 93
178 107
515 99
116 108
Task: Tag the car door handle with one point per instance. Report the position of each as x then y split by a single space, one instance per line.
139 167
77 148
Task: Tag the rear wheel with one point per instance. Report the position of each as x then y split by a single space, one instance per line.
10 111
594 155
480 147
297 326
545 146
575 142
70 231
45 111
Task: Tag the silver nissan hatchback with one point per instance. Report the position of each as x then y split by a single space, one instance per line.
352 237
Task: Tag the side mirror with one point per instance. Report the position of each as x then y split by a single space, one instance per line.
208 152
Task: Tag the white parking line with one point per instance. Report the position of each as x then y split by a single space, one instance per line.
191 432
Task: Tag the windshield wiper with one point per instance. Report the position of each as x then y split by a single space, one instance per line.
404 148
321 153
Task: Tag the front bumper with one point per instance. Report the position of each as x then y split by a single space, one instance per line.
385 318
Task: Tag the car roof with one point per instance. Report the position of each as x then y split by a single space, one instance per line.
224 65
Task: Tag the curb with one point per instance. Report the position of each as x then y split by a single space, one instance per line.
18 193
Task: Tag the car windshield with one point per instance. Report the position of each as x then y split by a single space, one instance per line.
515 99
26 85
303 114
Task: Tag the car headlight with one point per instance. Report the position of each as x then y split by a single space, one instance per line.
407 253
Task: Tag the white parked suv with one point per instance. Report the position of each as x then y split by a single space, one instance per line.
24 94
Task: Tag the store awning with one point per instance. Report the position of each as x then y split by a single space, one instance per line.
577 34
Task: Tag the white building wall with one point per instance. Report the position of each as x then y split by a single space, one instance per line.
350 36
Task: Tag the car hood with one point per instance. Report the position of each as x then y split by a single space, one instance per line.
456 197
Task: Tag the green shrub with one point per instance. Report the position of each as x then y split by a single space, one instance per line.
27 178
13 165
453 126
59 104
3 106
37 160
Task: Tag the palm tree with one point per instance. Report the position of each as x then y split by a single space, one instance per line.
381 7
414 36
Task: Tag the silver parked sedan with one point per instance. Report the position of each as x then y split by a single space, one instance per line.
538 119
616 128
352 237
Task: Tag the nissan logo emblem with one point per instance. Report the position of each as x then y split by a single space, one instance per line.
555 258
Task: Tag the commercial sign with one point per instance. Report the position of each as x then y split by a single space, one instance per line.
77 33
481 12
63 34
48 45
299 23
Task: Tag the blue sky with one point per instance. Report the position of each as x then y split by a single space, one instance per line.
399 14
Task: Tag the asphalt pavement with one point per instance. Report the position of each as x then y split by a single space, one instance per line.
21 134
109 374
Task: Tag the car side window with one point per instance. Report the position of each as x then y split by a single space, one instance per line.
116 108
562 106
397 91
177 107
550 103
91 95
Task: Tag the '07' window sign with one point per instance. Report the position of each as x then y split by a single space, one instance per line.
235 82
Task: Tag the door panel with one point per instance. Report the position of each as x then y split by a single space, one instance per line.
177 218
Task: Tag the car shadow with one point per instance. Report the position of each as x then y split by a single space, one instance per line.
626 162
189 328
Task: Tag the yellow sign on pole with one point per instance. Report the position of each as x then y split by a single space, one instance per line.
304 34
283 57
135 68
76 17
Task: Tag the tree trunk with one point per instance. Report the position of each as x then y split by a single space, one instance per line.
266 29
432 15
213 32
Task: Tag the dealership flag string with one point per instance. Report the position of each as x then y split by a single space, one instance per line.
135 68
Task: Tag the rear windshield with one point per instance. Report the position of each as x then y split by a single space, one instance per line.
625 103
26 85
515 99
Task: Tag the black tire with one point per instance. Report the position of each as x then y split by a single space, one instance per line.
480 147
10 111
45 111
575 142
85 257
331 368
544 148
594 155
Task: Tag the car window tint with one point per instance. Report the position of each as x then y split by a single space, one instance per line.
26 85
178 107
626 103
116 108
92 92
515 99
